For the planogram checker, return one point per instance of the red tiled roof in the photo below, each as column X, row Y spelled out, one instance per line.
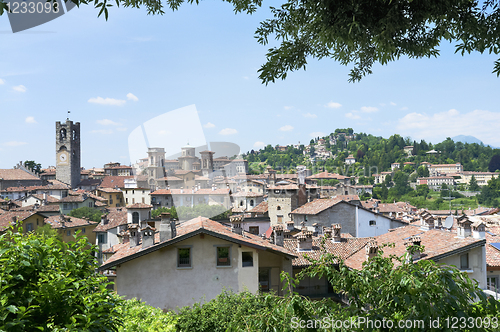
column 6, row 217
column 206, row 191
column 262, row 207
column 316, row 206
column 191, row 228
column 326, row 175
column 16, row 174
column 55, row 222
column 114, row 181
column 109, row 190
column 246, row 194
column 436, row 243
column 139, row 206
column 116, row 217
column 343, row 249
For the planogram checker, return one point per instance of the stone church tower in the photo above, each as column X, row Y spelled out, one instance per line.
column 68, row 164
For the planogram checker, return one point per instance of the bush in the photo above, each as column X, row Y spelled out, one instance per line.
column 49, row 285
column 140, row 317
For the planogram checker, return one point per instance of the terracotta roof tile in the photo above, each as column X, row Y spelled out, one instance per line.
column 262, row 207
column 6, row 218
column 115, row 217
column 139, row 206
column 114, row 181
column 436, row 243
column 69, row 222
column 16, row 174
column 193, row 226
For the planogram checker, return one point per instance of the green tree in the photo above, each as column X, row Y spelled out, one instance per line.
column 87, row 212
column 49, row 285
column 494, row 163
column 422, row 172
column 360, row 32
column 473, row 186
column 35, row 167
column 47, row 231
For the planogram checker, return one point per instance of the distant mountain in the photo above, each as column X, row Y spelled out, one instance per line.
column 469, row 139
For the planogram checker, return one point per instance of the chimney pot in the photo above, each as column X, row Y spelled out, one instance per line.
column 371, row 249
column 278, row 235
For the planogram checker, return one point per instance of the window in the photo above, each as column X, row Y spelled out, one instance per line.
column 102, row 238
column 65, row 206
column 83, row 230
column 464, row 261
column 251, row 202
column 373, row 222
column 264, row 279
column 246, row 258
column 68, row 233
column 117, row 196
column 223, row 256
column 29, row 227
column 184, row 257
column 280, row 219
column 278, row 208
column 135, row 217
column 253, row 230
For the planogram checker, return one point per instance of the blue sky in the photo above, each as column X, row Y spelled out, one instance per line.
column 118, row 74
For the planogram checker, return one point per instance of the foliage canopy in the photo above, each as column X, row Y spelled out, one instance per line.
column 49, row 285
column 361, row 33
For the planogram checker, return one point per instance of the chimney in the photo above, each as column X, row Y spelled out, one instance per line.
column 278, row 235
column 371, row 249
column 317, row 229
column 336, row 237
column 148, row 236
column 305, row 240
column 302, row 199
column 426, row 221
column 104, row 219
column 213, row 186
column 62, row 220
column 464, row 226
column 167, row 227
column 236, row 224
column 182, row 190
column 135, row 235
column 478, row 230
column 328, row 232
column 412, row 251
column 290, row 225
column 124, row 236
column 44, row 201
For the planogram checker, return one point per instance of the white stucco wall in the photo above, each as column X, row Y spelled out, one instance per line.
column 477, row 264
column 155, row 278
column 382, row 226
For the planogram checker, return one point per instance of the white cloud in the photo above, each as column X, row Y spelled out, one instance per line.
column 437, row 126
column 352, row 115
column 132, row 97
column 108, row 122
column 393, row 103
column 259, row 145
column 309, row 115
column 288, row 107
column 208, row 125
column 228, row 131
column 2, row 81
column 333, row 105
column 102, row 131
column 286, row 128
column 317, row 134
column 30, row 119
column 403, row 108
column 107, row 101
column 14, row 143
column 369, row 109
column 19, row 88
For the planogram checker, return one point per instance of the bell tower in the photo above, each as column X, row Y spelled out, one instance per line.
column 68, row 163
